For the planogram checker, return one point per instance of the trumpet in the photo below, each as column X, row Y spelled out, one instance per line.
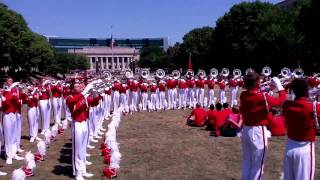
column 160, row 73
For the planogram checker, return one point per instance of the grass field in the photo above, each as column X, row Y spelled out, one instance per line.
column 158, row 145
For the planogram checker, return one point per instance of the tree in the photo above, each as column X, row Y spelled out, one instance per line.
column 154, row 58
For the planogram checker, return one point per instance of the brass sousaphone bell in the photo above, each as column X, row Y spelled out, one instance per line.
column 214, row 72
column 175, row 74
column 160, row 73
column 201, row 73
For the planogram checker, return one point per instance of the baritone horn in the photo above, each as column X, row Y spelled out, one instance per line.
column 201, row 73
column 214, row 72
column 160, row 73
column 225, row 72
column 266, row 71
column 175, row 74
column 145, row 73
column 128, row 74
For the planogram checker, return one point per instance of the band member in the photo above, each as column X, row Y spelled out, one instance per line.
column 10, row 104
column 116, row 95
column 144, row 95
column 190, row 96
column 302, row 121
column 254, row 107
column 45, row 105
column 124, row 98
column 200, row 90
column 222, row 86
column 57, row 90
column 66, row 92
column 171, row 85
column 134, row 85
column 154, row 96
column 234, row 90
column 211, row 82
column 182, row 84
column 162, row 93
column 108, row 93
column 33, row 115
column 78, row 105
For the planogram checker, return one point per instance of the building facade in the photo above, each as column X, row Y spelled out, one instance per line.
column 114, row 59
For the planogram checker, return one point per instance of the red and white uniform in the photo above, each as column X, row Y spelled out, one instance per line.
column 134, row 85
column 144, row 95
column 116, row 95
column 233, row 84
column 182, row 84
column 211, row 83
column 222, row 86
column 253, row 108
column 200, row 91
column 171, row 85
column 33, row 115
column 124, row 97
column 162, row 94
column 10, row 105
column 154, row 96
column 79, row 108
column 57, row 91
column 65, row 93
column 299, row 160
column 45, row 107
column 190, row 96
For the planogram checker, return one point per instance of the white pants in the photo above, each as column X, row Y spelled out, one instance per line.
column 190, row 97
column 123, row 100
column 66, row 110
column 254, row 147
column 211, row 97
column 33, row 121
column 162, row 97
column 45, row 114
column 182, row 98
column 144, row 100
column 299, row 160
column 90, row 122
column 116, row 101
column 57, row 104
column 108, row 104
column 79, row 147
column 223, row 98
column 134, row 99
column 9, row 131
column 201, row 96
column 234, row 91
column 171, row 99
column 18, row 130
column 154, row 101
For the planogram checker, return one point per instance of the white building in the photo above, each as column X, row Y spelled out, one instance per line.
column 106, row 58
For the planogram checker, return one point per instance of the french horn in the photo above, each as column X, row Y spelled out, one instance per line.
column 160, row 73
column 214, row 72
column 266, row 71
column 145, row 73
column 225, row 72
column 175, row 74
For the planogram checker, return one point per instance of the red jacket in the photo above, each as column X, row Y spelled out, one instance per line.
column 222, row 84
column 211, row 83
column 253, row 106
column 216, row 118
column 32, row 100
column 66, row 92
column 144, row 87
column 191, row 83
column 134, row 86
column 45, row 92
column 299, row 119
column 182, row 84
column 162, row 86
column 200, row 83
column 153, row 88
column 11, row 103
column 277, row 126
column 116, row 86
column 233, row 83
column 56, row 90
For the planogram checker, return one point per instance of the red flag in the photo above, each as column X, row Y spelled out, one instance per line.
column 190, row 63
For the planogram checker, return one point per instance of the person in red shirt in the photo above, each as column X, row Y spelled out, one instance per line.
column 211, row 82
column 162, row 94
column 116, row 94
column 134, row 85
column 302, row 124
column 217, row 119
column 79, row 108
column 144, row 95
column 32, row 101
column 234, row 90
column 200, row 90
column 57, row 91
column 222, row 86
column 254, row 107
column 210, row 115
column 276, row 124
column 44, row 103
column 182, row 84
column 199, row 117
column 233, row 123
column 10, row 104
column 66, row 92
column 154, row 96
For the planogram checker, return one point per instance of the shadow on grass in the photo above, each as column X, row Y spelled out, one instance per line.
column 65, row 159
column 65, row 170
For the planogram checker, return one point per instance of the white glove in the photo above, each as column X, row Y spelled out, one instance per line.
column 13, row 85
column 277, row 83
column 87, row 89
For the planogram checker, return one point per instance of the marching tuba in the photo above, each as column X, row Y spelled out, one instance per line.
column 298, row 73
column 160, row 73
column 214, row 72
column 145, row 73
column 225, row 72
column 175, row 74
column 236, row 73
column 249, row 70
column 128, row 74
column 201, row 73
column 108, row 75
column 266, row 71
column 189, row 73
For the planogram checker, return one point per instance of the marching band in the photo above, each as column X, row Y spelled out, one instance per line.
column 87, row 104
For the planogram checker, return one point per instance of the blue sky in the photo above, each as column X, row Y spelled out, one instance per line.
column 129, row 18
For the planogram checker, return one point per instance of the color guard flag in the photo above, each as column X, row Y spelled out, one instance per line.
column 190, row 63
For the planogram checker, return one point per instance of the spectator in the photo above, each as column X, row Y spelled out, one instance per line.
column 233, row 123
column 199, row 117
column 210, row 118
column 276, row 123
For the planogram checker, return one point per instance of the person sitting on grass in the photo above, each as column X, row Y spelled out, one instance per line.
column 199, row 115
column 217, row 119
column 233, row 123
column 276, row 124
column 210, row 114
